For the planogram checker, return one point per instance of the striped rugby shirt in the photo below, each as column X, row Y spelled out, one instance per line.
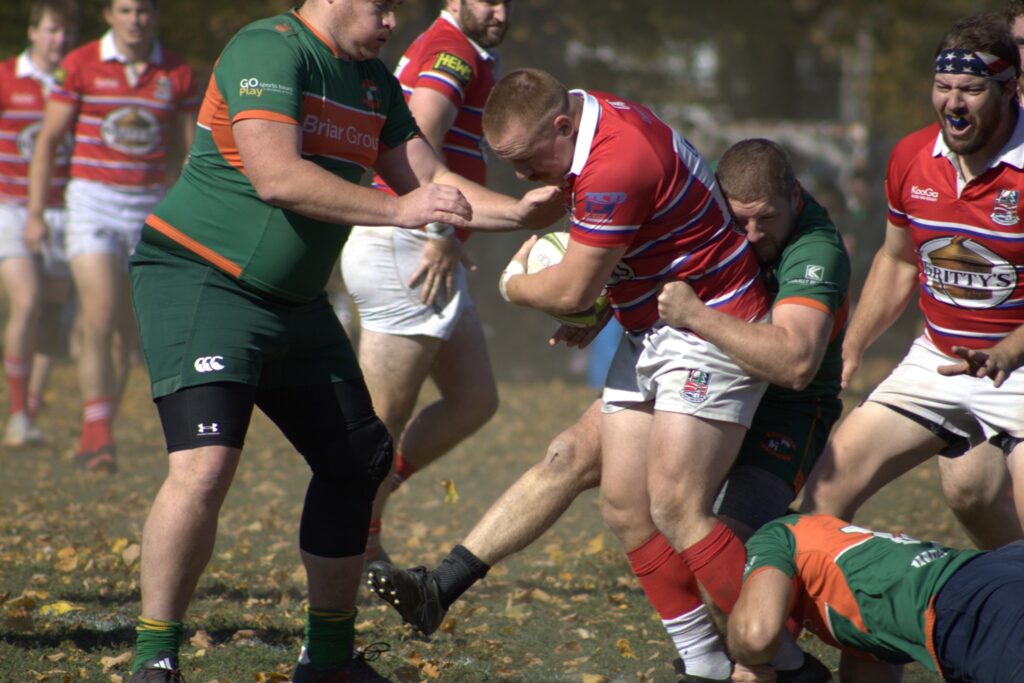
column 23, row 89
column 636, row 183
column 123, row 125
column 969, row 237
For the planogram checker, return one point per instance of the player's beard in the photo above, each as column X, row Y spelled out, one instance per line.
column 486, row 36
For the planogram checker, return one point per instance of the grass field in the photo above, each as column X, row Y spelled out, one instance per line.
column 566, row 609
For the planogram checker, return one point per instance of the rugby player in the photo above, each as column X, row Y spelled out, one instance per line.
column 128, row 100
column 954, row 238
column 37, row 290
column 416, row 317
column 228, row 287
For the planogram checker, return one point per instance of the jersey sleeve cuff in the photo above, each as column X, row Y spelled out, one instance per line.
column 264, row 115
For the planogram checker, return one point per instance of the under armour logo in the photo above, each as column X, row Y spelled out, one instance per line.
column 209, row 364
column 212, row 428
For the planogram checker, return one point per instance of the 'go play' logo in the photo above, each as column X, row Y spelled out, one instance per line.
column 250, row 86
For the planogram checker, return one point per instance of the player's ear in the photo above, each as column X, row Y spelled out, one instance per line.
column 563, row 125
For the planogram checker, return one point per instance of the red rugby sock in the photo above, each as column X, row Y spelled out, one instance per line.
column 717, row 561
column 668, row 582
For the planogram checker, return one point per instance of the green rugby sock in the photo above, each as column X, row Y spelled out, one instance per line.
column 153, row 636
column 329, row 636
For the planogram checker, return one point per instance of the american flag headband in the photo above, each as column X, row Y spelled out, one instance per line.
column 974, row 63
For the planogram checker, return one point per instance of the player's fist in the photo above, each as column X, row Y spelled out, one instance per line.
column 433, row 203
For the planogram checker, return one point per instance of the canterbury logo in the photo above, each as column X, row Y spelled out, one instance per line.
column 212, row 428
column 209, row 364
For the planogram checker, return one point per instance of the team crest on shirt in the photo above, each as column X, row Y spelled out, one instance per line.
column 371, row 95
column 131, row 130
column 599, row 206
column 695, row 389
column 1005, row 210
column 163, row 90
column 961, row 272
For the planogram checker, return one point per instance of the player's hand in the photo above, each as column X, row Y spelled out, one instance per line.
column 437, row 268
column 541, row 207
column 515, row 267
column 35, row 234
column 678, row 304
column 433, row 203
column 522, row 256
column 580, row 337
column 753, row 673
column 993, row 363
column 852, row 358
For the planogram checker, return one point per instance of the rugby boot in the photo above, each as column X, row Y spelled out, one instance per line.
column 160, row 669
column 812, row 671
column 690, row 678
column 21, row 432
column 413, row 592
column 355, row 671
column 100, row 460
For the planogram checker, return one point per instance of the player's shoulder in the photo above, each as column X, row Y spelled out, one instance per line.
column 86, row 54
column 921, row 140
column 9, row 66
column 270, row 33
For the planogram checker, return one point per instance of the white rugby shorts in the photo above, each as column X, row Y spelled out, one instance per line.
column 966, row 406
column 104, row 219
column 12, row 238
column 376, row 265
column 681, row 373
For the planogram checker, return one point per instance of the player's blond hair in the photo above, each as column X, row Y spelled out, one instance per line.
column 529, row 97
column 755, row 169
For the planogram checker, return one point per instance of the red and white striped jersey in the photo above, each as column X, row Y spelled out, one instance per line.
column 444, row 59
column 23, row 89
column 969, row 239
column 123, row 124
column 636, row 183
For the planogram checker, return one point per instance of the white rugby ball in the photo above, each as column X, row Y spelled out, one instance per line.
column 549, row 250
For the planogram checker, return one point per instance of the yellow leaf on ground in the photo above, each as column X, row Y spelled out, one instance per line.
column 270, row 677
column 56, row 657
column 595, row 545
column 67, row 560
column 131, row 555
column 109, row 663
column 451, row 494
column 430, row 670
column 59, row 608
column 594, row 678
column 201, row 639
column 118, row 544
column 625, row 649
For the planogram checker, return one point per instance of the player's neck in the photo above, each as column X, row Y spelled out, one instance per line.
column 135, row 54
column 41, row 63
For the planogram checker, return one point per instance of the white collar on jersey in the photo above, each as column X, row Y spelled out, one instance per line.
column 1011, row 154
column 109, row 52
column 588, row 128
column 447, row 16
column 26, row 68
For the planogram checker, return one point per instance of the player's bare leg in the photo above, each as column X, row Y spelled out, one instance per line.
column 520, row 516
column 102, row 295
column 51, row 337
column 977, row 488
column 1015, row 464
column 22, row 282
column 178, row 538
column 528, row 508
column 857, row 462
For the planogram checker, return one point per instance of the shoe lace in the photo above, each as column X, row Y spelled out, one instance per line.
column 372, row 651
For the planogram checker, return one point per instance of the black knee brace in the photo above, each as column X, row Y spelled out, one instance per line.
column 338, row 504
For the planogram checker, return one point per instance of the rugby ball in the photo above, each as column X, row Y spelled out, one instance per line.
column 548, row 251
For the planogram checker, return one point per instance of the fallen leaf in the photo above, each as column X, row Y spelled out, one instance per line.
column 201, row 639
column 595, row 545
column 59, row 608
column 451, row 494
column 56, row 657
column 270, row 677
column 625, row 649
column 131, row 555
column 118, row 545
column 594, row 678
column 109, row 663
column 67, row 560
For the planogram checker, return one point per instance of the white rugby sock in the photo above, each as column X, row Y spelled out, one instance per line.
column 698, row 644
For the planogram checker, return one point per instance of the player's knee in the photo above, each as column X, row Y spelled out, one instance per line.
column 966, row 501
column 359, row 461
column 572, row 459
column 479, row 407
column 204, row 479
column 621, row 514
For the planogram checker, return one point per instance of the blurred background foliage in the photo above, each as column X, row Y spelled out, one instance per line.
column 835, row 81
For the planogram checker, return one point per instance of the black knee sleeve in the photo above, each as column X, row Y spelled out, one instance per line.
column 337, row 511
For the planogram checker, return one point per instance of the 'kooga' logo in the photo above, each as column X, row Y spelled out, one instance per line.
column 209, row 364
column 925, row 194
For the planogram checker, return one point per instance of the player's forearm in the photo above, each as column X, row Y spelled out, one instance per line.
column 555, row 290
column 305, row 188
column 40, row 173
column 492, row 211
column 890, row 284
column 763, row 350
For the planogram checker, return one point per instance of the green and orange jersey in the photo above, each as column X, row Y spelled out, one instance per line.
column 856, row 589
column 814, row 270
column 278, row 69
